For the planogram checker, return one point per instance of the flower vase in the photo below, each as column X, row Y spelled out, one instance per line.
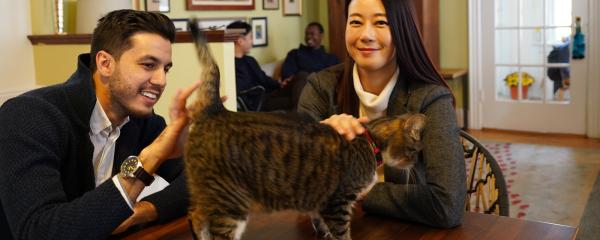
column 514, row 92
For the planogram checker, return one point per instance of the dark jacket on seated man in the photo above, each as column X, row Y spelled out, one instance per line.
column 307, row 59
column 249, row 74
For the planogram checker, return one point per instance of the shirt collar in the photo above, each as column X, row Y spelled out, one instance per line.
column 100, row 122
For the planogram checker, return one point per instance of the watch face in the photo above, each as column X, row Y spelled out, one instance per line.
column 129, row 166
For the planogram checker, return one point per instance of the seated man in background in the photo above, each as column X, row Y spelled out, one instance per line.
column 306, row 59
column 75, row 156
column 310, row 58
column 248, row 74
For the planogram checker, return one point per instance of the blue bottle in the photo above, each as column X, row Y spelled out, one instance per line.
column 578, row 41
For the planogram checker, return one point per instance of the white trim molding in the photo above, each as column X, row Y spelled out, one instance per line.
column 475, row 66
column 476, row 95
column 593, row 54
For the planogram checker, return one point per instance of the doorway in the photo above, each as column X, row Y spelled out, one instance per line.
column 530, row 81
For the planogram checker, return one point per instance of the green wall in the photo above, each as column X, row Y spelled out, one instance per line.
column 285, row 32
column 454, row 41
column 454, row 37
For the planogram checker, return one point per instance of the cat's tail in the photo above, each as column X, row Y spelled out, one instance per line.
column 208, row 99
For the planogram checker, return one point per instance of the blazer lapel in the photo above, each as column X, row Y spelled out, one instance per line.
column 398, row 103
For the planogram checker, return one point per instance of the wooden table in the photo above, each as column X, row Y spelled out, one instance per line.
column 290, row 225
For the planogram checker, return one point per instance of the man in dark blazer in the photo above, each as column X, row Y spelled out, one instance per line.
column 75, row 156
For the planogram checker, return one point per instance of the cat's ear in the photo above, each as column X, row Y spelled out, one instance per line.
column 413, row 127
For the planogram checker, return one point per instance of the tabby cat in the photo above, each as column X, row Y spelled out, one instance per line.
column 280, row 161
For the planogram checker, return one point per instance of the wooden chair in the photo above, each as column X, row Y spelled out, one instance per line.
column 486, row 188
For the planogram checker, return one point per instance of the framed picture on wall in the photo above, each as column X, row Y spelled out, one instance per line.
column 220, row 4
column 217, row 23
column 270, row 4
column 292, row 7
column 260, row 33
column 181, row 24
column 157, row 5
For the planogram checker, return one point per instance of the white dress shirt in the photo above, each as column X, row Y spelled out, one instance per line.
column 104, row 136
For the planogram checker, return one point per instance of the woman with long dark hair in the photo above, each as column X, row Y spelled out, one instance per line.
column 388, row 72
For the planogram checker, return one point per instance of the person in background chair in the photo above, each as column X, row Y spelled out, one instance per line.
column 248, row 73
column 75, row 156
column 308, row 58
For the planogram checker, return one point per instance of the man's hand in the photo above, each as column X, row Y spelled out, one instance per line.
column 284, row 82
column 169, row 144
column 143, row 212
column 346, row 125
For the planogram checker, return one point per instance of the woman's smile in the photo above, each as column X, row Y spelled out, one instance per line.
column 367, row 50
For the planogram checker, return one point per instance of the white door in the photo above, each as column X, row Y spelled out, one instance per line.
column 530, row 80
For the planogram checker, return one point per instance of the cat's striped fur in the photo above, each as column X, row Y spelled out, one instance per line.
column 235, row 161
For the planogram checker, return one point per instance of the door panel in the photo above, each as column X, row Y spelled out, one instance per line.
column 527, row 46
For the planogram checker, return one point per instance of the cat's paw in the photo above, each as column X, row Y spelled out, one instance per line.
column 320, row 228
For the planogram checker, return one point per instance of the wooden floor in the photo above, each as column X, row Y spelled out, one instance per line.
column 536, row 138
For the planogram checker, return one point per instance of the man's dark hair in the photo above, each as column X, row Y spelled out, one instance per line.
column 240, row 25
column 316, row 24
column 113, row 32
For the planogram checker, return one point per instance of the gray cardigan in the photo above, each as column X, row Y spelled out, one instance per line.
column 436, row 191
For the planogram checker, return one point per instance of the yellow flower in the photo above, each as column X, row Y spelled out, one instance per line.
column 526, row 79
column 512, row 80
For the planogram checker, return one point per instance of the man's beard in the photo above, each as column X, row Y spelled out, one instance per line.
column 121, row 94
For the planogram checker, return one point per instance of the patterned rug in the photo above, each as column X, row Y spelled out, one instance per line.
column 547, row 183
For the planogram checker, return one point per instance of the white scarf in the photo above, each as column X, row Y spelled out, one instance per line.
column 373, row 106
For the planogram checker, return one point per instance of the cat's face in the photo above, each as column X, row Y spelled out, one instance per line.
column 401, row 139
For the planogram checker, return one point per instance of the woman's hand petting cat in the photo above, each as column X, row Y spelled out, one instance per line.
column 346, row 125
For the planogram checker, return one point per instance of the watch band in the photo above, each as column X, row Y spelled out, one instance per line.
column 143, row 176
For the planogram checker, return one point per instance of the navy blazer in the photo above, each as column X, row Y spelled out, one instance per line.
column 48, row 185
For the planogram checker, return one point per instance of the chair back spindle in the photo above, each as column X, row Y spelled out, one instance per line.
column 486, row 188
